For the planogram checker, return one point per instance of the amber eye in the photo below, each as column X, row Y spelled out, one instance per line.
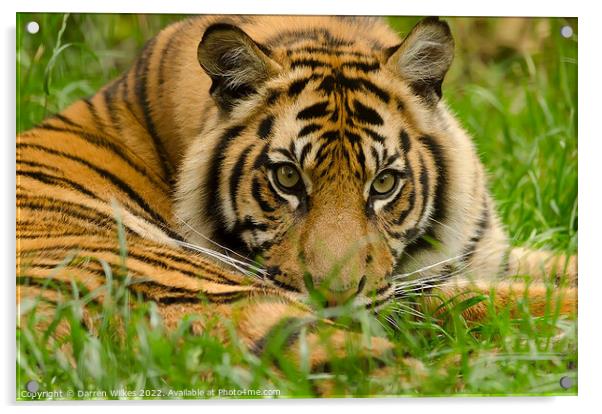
column 384, row 183
column 287, row 176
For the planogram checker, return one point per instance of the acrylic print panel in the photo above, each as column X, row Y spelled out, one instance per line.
column 295, row 206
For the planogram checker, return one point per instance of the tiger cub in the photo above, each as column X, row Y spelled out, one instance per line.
column 256, row 161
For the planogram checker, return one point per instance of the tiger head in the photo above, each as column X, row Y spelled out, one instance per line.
column 317, row 164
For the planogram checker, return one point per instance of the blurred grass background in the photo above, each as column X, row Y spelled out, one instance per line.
column 513, row 86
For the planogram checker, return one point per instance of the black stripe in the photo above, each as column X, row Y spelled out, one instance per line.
column 321, row 35
column 308, row 62
column 296, row 87
column 88, row 250
column 375, row 304
column 404, row 140
column 273, row 273
column 304, row 153
column 214, row 298
column 113, row 179
column 97, row 217
column 65, row 120
column 140, row 88
column 362, row 66
column 256, row 193
column 167, row 49
column 55, row 284
column 290, row 327
column 332, row 135
column 439, row 204
column 213, row 202
column 94, row 113
column 376, row 156
column 262, row 158
column 425, row 242
column 117, row 149
column 125, row 93
column 75, row 210
column 361, row 159
column 143, row 282
column 37, row 165
column 440, row 162
column 186, row 295
column 375, row 136
column 391, row 159
column 352, row 137
column 328, row 51
column 265, row 127
column 308, row 129
column 285, row 152
column 327, row 85
column 272, row 97
column 411, row 197
column 108, row 96
column 236, row 176
column 29, row 234
column 379, row 92
column 323, row 152
column 482, row 225
column 248, row 224
column 56, row 181
column 424, row 183
column 314, row 111
column 366, row 114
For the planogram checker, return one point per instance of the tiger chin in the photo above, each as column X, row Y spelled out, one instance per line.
column 337, row 163
column 309, row 154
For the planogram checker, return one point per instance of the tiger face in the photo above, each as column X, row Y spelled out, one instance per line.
column 319, row 168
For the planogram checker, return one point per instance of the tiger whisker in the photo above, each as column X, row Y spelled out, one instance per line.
column 420, row 288
column 422, row 269
column 448, row 275
column 243, row 267
column 392, row 322
column 421, row 280
column 215, row 253
column 408, row 309
column 209, row 239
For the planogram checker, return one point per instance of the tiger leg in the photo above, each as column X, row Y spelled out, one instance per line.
column 542, row 265
column 262, row 319
column 272, row 327
column 517, row 297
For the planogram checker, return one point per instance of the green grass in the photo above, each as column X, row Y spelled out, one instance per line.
column 518, row 102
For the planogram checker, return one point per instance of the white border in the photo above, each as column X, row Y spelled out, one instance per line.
column 590, row 292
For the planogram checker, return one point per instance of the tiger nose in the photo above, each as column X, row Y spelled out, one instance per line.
column 335, row 297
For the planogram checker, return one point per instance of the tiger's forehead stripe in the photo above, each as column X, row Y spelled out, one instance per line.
column 336, row 79
column 353, row 119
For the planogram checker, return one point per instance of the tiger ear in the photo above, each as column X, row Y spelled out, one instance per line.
column 424, row 57
column 235, row 63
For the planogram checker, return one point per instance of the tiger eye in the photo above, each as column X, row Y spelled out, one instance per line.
column 384, row 183
column 287, row 176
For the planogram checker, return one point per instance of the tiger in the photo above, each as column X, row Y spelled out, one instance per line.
column 256, row 162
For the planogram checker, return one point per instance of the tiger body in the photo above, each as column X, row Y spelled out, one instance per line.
column 187, row 148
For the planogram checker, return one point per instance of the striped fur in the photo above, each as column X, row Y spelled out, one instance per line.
column 183, row 149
